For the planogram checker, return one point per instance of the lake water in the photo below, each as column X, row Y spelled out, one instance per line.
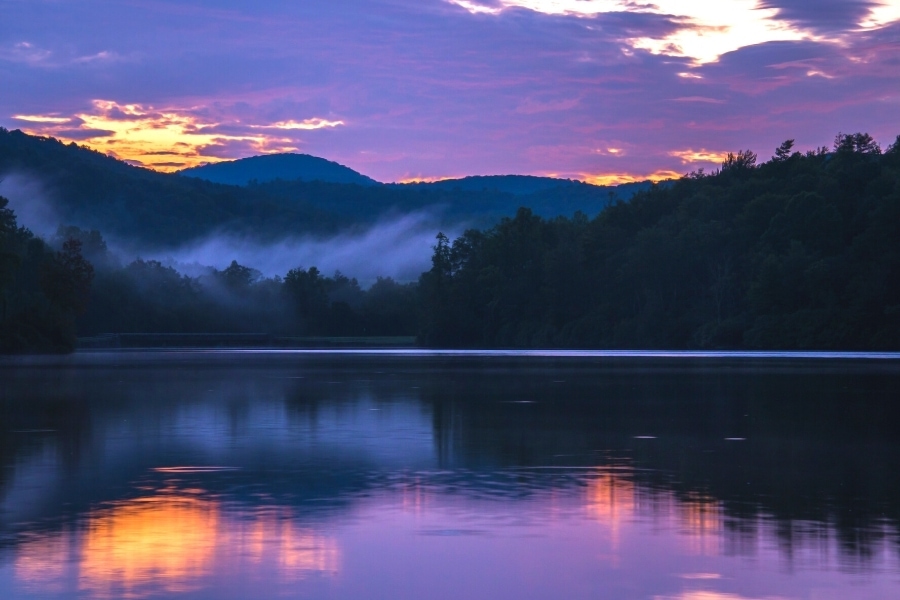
column 415, row 475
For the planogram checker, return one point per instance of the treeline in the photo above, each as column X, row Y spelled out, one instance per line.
column 42, row 290
column 147, row 296
column 800, row 252
column 49, row 290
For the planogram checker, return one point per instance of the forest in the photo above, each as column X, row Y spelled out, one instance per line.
column 799, row 252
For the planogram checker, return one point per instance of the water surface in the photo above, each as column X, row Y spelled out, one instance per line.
column 450, row 475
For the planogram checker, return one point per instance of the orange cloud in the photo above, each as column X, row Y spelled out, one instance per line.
column 165, row 139
column 620, row 178
column 701, row 156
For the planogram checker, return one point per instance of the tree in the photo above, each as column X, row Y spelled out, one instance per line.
column 239, row 278
column 858, row 143
column 67, row 279
column 306, row 291
column 9, row 260
column 743, row 160
column 895, row 147
column 783, row 152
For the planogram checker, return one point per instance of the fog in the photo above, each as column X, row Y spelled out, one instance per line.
column 399, row 248
column 31, row 203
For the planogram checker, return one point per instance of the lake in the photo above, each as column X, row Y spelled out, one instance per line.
column 450, row 475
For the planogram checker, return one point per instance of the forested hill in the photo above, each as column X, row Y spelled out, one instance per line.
column 270, row 167
column 800, row 252
column 89, row 189
column 147, row 208
column 524, row 185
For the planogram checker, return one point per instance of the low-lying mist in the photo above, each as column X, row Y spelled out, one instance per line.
column 30, row 201
column 399, row 248
column 358, row 282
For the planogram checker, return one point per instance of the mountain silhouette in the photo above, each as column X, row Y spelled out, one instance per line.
column 271, row 167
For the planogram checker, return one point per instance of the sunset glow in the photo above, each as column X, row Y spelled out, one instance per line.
column 620, row 178
column 699, row 156
column 450, row 88
column 170, row 542
column 163, row 139
column 704, row 31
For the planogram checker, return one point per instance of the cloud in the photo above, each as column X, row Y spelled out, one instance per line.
column 707, row 28
column 306, row 124
column 620, row 178
column 426, row 88
column 701, row 99
column 24, row 52
column 533, row 106
column 145, row 135
column 35, row 56
column 699, row 156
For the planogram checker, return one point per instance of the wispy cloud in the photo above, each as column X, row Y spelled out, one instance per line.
column 701, row 99
column 33, row 55
column 307, row 124
column 149, row 136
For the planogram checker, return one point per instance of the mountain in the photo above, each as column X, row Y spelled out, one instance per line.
column 149, row 209
column 271, row 167
column 521, row 185
column 73, row 185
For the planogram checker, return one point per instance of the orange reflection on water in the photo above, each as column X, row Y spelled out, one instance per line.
column 167, row 540
column 611, row 497
column 701, row 518
column 169, row 543
column 614, row 500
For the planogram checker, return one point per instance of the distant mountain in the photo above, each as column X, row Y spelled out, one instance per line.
column 271, row 167
column 519, row 185
column 527, row 185
column 148, row 209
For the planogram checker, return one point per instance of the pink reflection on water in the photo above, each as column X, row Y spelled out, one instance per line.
column 602, row 534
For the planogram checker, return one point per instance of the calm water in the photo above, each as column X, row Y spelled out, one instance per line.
column 406, row 475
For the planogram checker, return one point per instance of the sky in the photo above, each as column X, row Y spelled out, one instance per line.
column 605, row 91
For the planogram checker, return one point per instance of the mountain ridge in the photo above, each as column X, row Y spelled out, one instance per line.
column 270, row 167
column 152, row 209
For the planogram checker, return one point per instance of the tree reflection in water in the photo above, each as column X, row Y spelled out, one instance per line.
column 337, row 466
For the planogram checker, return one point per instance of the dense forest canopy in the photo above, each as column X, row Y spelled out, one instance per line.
column 800, row 252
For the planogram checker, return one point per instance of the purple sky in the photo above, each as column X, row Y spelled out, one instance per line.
column 603, row 90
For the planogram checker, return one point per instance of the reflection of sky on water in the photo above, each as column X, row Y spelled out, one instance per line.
column 170, row 543
column 591, row 533
column 386, row 483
